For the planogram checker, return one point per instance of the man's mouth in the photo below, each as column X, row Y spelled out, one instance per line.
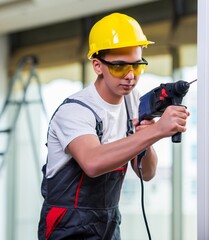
column 127, row 85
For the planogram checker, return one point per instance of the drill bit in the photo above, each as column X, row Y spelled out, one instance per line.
column 192, row 81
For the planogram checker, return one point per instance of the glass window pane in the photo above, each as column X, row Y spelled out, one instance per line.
column 28, row 152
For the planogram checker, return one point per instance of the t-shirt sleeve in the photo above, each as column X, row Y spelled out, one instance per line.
column 71, row 121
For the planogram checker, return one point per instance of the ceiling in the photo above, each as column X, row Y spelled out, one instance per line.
column 17, row 15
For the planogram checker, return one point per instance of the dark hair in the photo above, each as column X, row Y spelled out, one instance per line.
column 100, row 54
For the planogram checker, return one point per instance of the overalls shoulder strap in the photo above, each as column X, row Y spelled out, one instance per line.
column 99, row 124
column 130, row 126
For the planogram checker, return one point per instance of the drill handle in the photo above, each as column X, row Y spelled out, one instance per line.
column 176, row 138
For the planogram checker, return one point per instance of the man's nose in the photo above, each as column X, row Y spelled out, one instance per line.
column 130, row 74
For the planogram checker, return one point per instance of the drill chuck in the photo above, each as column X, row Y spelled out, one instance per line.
column 181, row 87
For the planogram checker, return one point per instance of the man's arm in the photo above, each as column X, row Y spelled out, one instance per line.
column 96, row 159
column 148, row 164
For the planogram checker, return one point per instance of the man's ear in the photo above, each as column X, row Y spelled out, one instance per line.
column 97, row 66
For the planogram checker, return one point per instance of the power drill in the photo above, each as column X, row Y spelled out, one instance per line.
column 154, row 103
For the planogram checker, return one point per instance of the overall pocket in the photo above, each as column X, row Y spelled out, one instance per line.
column 53, row 218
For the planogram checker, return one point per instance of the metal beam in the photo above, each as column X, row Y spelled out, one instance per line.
column 203, row 120
column 177, row 221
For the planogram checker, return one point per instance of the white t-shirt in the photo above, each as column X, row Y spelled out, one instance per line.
column 73, row 120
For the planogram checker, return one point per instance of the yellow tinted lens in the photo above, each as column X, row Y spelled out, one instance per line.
column 139, row 69
column 117, row 70
column 122, row 70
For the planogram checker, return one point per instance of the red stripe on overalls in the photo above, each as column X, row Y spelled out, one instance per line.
column 53, row 218
column 120, row 169
column 78, row 191
column 123, row 169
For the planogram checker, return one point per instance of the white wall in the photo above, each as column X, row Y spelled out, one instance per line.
column 203, row 121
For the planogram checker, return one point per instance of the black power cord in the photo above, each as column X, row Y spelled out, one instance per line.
column 139, row 166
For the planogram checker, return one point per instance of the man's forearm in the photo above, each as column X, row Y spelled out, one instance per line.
column 148, row 164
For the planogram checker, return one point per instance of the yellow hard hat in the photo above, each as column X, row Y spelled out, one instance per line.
column 116, row 31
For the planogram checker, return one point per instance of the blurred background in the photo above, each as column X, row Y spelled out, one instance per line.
column 43, row 48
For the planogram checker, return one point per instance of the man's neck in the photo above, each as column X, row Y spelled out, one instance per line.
column 106, row 94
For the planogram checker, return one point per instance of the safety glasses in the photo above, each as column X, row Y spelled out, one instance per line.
column 120, row 68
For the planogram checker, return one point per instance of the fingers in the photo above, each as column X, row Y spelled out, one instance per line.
column 143, row 124
column 147, row 122
column 174, row 119
column 179, row 108
column 180, row 125
column 179, row 114
column 135, row 122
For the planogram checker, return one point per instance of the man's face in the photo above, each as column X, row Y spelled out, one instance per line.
column 122, row 78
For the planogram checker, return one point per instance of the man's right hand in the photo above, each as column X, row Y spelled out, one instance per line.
column 173, row 120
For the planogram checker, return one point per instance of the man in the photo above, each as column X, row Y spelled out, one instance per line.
column 84, row 171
